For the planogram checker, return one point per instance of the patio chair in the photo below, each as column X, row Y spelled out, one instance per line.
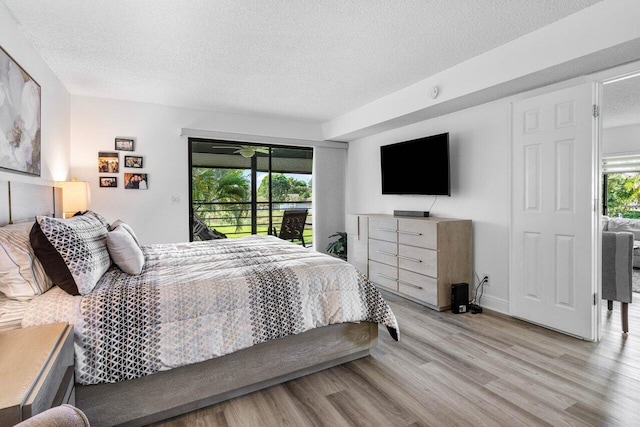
column 201, row 230
column 292, row 227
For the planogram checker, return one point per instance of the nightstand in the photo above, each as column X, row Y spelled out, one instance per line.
column 36, row 371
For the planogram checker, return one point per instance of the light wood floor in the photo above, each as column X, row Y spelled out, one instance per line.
column 448, row 369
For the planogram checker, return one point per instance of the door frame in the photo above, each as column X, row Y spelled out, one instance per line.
column 603, row 78
column 599, row 79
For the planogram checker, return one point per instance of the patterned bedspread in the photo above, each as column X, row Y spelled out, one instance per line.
column 196, row 301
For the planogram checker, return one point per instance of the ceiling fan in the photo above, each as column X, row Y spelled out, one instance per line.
column 248, row 151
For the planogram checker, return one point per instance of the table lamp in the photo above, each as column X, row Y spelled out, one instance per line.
column 74, row 196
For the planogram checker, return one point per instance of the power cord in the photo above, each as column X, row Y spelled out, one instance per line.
column 474, row 307
column 434, row 202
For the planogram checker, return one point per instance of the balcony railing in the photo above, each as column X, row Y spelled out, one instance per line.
column 222, row 217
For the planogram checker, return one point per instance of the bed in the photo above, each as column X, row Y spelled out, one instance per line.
column 145, row 347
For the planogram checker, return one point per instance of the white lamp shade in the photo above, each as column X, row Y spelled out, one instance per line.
column 74, row 196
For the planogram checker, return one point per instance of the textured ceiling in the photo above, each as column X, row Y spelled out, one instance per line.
column 309, row 60
column 621, row 103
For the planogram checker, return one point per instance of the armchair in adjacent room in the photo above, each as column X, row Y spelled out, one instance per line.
column 617, row 271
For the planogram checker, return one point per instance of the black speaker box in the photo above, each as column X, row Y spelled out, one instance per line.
column 460, row 297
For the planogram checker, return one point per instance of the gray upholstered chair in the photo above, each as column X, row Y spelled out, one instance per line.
column 617, row 271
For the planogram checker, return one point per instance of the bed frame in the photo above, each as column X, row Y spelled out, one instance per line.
column 185, row 389
column 177, row 391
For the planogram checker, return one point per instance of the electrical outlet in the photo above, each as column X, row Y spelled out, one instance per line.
column 486, row 279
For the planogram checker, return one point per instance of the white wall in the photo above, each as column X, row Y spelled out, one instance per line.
column 96, row 122
column 55, row 104
column 479, row 146
column 329, row 166
column 621, row 140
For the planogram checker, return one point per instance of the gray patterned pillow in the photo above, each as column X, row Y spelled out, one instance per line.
column 72, row 251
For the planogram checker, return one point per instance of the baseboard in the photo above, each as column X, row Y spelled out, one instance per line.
column 496, row 304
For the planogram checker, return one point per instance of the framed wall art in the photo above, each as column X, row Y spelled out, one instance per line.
column 125, row 144
column 108, row 162
column 133, row 162
column 136, row 181
column 20, row 118
column 108, row 181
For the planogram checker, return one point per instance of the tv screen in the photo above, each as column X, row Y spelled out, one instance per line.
column 419, row 166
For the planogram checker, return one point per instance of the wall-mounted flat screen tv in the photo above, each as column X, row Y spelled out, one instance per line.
column 419, row 166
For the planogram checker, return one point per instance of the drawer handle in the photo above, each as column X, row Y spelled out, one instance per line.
column 409, row 284
column 387, row 229
column 409, row 258
column 387, row 277
column 387, row 253
column 411, row 233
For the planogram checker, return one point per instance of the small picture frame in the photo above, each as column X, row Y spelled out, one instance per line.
column 108, row 162
column 125, row 144
column 136, row 181
column 108, row 181
column 133, row 162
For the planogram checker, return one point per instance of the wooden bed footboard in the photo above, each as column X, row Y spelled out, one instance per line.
column 177, row 391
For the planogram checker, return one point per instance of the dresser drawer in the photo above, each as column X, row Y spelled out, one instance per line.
column 423, row 234
column 418, row 260
column 383, row 275
column 384, row 252
column 383, row 229
column 422, row 288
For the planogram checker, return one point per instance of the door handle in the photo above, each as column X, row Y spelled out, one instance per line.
column 409, row 284
column 409, row 258
column 387, row 253
column 411, row 233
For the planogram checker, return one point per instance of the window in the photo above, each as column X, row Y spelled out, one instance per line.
column 240, row 189
column 621, row 186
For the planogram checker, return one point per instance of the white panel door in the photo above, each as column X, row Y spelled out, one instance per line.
column 552, row 270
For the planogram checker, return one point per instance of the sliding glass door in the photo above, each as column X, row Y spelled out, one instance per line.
column 239, row 189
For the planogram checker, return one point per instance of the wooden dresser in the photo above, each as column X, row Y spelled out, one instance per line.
column 417, row 258
column 36, row 371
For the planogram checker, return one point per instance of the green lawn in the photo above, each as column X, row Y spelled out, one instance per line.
column 232, row 232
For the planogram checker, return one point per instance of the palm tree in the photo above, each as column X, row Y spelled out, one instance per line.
column 222, row 185
column 233, row 186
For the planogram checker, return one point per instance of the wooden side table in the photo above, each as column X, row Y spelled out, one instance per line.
column 36, row 371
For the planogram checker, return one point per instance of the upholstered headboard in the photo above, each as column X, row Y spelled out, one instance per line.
column 21, row 201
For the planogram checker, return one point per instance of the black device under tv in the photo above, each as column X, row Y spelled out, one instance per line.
column 418, row 167
column 419, row 214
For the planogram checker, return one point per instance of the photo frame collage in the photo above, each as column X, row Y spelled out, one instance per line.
column 109, row 164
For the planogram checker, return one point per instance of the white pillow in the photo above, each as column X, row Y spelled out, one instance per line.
column 127, row 227
column 124, row 251
column 21, row 274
